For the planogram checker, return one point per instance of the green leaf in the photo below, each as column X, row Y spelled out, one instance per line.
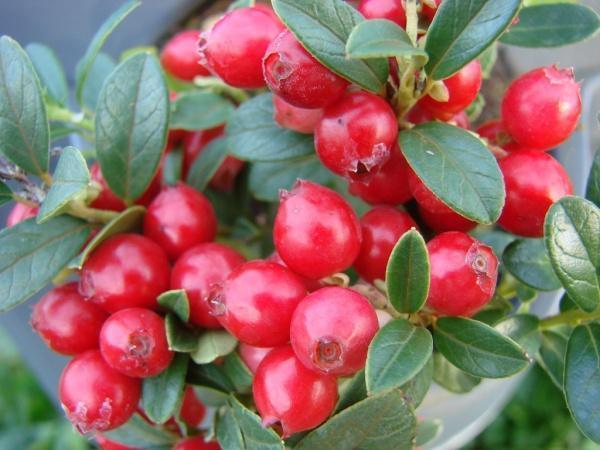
column 210, row 396
column 573, row 241
column 101, row 68
column 238, row 372
column 475, row 109
column 381, row 38
column 137, row 431
column 5, row 194
column 323, row 27
column 253, row 134
column 50, row 72
column 351, row 391
column 207, row 163
column 180, row 336
column 213, row 344
column 524, row 330
column 210, row 375
column 552, row 25
column 407, row 273
column 496, row 309
column 566, row 304
column 528, row 261
column 229, row 433
column 162, row 394
column 488, row 60
column 457, row 168
column 478, row 349
column 416, row 389
column 451, row 377
column 462, row 30
column 84, row 66
column 176, row 301
column 237, row 4
column 384, row 421
column 70, row 180
column 131, row 125
column 582, row 378
column 128, row 220
column 428, row 430
column 24, row 130
column 59, row 130
column 266, row 179
column 397, row 353
column 496, row 239
column 551, row 356
column 172, row 167
column 593, row 183
column 31, row 255
column 196, row 110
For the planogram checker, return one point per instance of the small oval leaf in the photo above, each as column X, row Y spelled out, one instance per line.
column 451, row 377
column 196, row 110
column 101, row 69
column 50, row 72
column 524, row 330
column 5, row 194
column 551, row 356
column 137, row 431
column 181, row 337
column 593, row 184
column 213, row 344
column 207, row 163
column 427, row 431
column 176, row 301
column 528, row 261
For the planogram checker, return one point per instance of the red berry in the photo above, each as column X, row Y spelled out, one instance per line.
column 199, row 271
column 20, row 213
column 356, row 134
column 196, row 443
column 179, row 218
column 293, row 118
column 253, row 356
column 134, row 342
column 534, row 181
column 463, row 274
column 389, row 186
column 96, row 397
column 179, row 56
column 127, row 270
column 331, row 330
column 192, row 410
column 296, row 76
column 66, row 322
column 316, row 231
column 257, row 301
column 541, row 108
column 106, row 444
column 381, row 228
column 497, row 135
column 289, row 394
column 384, row 9
column 419, row 114
column 428, row 12
column 463, row 88
column 310, row 283
column 235, row 46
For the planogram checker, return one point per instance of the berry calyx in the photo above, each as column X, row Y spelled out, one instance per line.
column 20, row 213
column 252, row 356
column 384, row 9
column 196, row 443
column 294, row 118
column 179, row 56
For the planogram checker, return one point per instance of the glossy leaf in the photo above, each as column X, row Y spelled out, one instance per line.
column 253, row 135
column 210, row 375
column 101, row 68
column 210, row 396
column 552, row 25
column 428, row 430
column 176, row 301
column 566, row 304
column 551, row 356
column 524, row 330
column 457, row 167
column 451, row 377
column 323, row 27
column 416, row 389
column 228, row 431
column 477, row 348
column 137, row 431
column 351, row 391
column 5, row 194
column 207, row 164
column 462, row 30
column 528, row 261
column 50, row 72
column 238, row 372
column 131, row 125
column 573, row 241
column 24, row 130
column 213, row 344
column 593, row 183
column 197, row 110
column 180, row 336
column 407, row 273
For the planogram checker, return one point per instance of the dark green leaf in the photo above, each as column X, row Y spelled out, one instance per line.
column 238, row 372
column 176, row 301
column 551, row 356
column 85, row 65
column 253, row 134
column 384, row 421
column 573, row 241
column 213, row 344
column 552, row 25
column 566, row 304
column 462, row 30
column 427, row 431
column 524, row 330
column 526, row 293
column 407, row 273
column 458, row 169
column 70, row 180
column 31, row 255
column 490, row 316
column 196, row 110
column 211, row 396
column 582, row 378
column 323, row 27
column 478, row 349
column 396, row 354
column 131, row 125
column 593, row 183
column 210, row 375
column 528, row 261
column 50, row 72
column 60, row 130
column 352, row 391
column 24, row 130
column 207, row 163
column 416, row 389
column 451, row 377
column 5, row 194
column 229, row 433
column 172, row 167
column 496, row 239
column 101, row 69
column 162, row 394
column 180, row 336
column 137, row 431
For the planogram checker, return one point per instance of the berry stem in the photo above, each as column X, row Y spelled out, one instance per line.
column 572, row 318
column 60, row 114
column 79, row 209
column 218, row 87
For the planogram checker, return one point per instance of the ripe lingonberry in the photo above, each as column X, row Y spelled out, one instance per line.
column 94, row 396
column 19, row 213
column 463, row 274
column 497, row 135
column 179, row 56
column 235, row 46
column 310, row 283
column 199, row 271
column 381, row 228
column 293, row 118
column 389, row 186
column 316, row 231
column 296, row 76
column 356, row 135
column 196, row 443
column 384, row 9
column 66, row 322
column 179, row 218
column 463, row 88
column 289, row 394
column 134, row 342
column 107, row 444
column 331, row 330
column 192, row 410
column 418, row 115
column 429, row 12
column 256, row 303
column 534, row 180
column 127, row 270
column 253, row 356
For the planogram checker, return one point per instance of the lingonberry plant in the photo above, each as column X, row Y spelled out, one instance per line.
column 204, row 237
